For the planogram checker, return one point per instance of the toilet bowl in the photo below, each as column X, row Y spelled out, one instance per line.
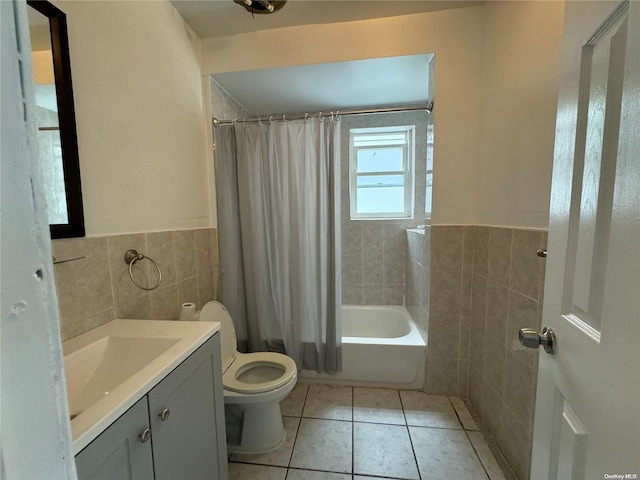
column 253, row 386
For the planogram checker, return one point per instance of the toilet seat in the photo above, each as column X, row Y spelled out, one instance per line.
column 243, row 363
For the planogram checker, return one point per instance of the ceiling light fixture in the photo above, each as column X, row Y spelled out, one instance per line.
column 261, row 6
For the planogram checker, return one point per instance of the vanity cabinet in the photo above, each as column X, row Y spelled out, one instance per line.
column 185, row 415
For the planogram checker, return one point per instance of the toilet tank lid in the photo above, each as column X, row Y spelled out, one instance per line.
column 216, row 312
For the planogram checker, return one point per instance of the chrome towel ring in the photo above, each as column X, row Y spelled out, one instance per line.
column 131, row 257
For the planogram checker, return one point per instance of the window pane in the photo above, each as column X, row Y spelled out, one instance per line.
column 370, row 181
column 380, row 200
column 386, row 139
column 379, row 159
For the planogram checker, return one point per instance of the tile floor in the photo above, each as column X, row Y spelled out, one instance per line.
column 352, row 433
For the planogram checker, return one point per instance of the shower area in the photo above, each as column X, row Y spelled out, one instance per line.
column 378, row 170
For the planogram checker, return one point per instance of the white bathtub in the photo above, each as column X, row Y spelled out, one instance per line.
column 381, row 346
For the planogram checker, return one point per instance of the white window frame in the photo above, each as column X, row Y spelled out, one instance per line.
column 408, row 171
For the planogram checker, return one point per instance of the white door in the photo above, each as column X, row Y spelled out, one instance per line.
column 587, row 423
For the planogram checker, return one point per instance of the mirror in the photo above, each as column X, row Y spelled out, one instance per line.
column 57, row 138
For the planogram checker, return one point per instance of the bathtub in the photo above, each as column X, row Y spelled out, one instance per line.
column 381, row 346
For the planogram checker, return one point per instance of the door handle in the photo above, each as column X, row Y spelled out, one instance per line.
column 530, row 338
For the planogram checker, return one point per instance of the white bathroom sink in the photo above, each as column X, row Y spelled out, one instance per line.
column 95, row 370
column 111, row 367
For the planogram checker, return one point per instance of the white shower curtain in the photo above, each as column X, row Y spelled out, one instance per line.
column 279, row 218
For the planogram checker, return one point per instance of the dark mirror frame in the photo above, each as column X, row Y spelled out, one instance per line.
column 67, row 120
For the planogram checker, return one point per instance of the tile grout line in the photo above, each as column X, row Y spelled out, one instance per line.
column 304, row 402
column 413, row 450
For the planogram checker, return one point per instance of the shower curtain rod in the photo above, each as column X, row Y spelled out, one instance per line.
column 297, row 116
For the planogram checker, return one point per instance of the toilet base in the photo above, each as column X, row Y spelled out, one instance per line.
column 254, row 428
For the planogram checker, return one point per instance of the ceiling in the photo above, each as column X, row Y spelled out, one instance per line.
column 223, row 17
column 331, row 86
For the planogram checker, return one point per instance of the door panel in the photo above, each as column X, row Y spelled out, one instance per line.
column 587, row 422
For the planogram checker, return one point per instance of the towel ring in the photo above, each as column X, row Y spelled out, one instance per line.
column 131, row 257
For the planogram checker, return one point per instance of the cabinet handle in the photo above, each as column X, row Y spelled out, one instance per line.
column 165, row 414
column 145, row 435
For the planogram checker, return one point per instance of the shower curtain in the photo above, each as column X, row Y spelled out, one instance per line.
column 278, row 198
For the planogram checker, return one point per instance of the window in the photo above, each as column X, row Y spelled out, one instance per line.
column 381, row 175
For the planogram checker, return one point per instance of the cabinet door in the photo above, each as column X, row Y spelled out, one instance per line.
column 190, row 443
column 118, row 451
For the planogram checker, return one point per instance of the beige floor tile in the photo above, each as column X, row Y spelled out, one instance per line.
column 422, row 410
column 383, row 450
column 329, row 402
column 279, row 457
column 486, row 456
column 323, row 445
column 314, row 475
column 294, row 402
column 468, row 423
column 377, row 405
column 241, row 471
column 445, row 453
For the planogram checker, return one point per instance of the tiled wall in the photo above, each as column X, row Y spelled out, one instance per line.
column 508, row 285
column 439, row 276
column 97, row 288
column 373, row 251
column 473, row 288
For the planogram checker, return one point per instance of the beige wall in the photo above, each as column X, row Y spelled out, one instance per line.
column 520, row 72
column 141, row 117
column 453, row 35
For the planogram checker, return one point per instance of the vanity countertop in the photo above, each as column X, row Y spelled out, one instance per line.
column 109, row 368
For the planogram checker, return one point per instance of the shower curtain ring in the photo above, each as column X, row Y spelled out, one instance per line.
column 284, row 118
column 306, row 118
column 271, row 118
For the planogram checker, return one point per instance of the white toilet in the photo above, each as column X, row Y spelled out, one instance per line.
column 254, row 384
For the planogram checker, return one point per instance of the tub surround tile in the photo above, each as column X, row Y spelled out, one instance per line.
column 372, row 295
column 352, row 295
column 424, row 410
column 373, row 238
column 445, row 454
column 497, row 312
column 377, row 405
column 352, row 238
column 383, row 450
column 372, row 270
column 393, row 295
column 329, row 402
column 393, row 269
column 352, row 269
column 323, row 443
column 463, row 378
